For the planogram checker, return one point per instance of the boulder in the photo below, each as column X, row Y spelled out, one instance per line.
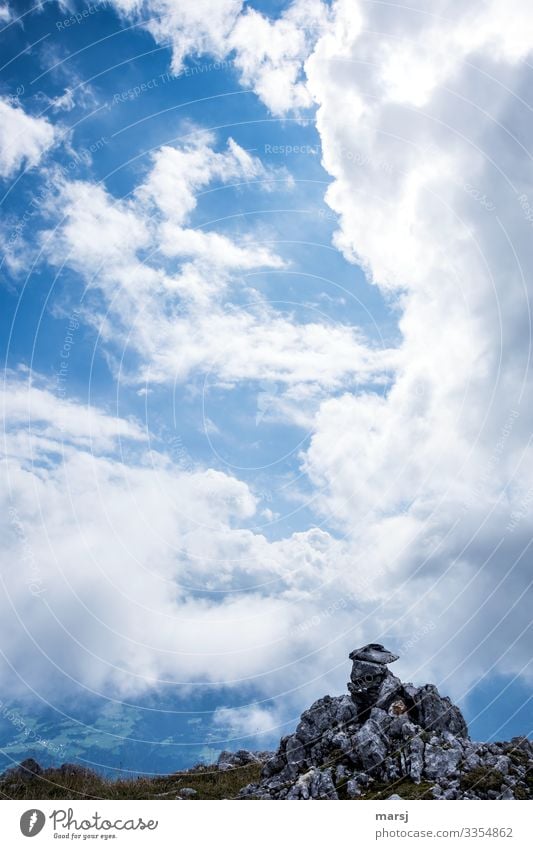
column 433, row 712
column 242, row 757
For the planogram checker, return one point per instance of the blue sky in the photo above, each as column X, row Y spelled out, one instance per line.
column 266, row 339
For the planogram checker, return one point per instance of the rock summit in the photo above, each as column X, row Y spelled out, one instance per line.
column 387, row 738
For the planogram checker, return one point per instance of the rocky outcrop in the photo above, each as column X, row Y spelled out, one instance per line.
column 232, row 760
column 387, row 738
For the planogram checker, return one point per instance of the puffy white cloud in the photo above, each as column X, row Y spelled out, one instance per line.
column 23, row 138
column 422, row 130
column 190, row 29
column 5, row 14
column 268, row 54
column 236, row 345
column 121, row 571
column 178, row 173
column 428, row 481
column 97, row 231
column 168, row 288
column 247, row 722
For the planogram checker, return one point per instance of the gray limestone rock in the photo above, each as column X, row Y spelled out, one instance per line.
column 353, row 789
column 187, row 793
column 437, row 713
column 230, row 760
column 322, row 785
column 439, row 760
column 370, row 741
column 385, row 731
column 374, row 653
column 371, row 683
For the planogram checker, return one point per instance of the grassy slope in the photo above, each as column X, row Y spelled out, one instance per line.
column 208, row 782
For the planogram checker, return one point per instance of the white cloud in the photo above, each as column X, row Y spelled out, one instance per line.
column 170, row 289
column 64, row 102
column 268, row 54
column 130, row 571
column 23, row 138
column 421, row 128
column 178, row 173
column 423, row 132
column 236, row 344
column 247, row 722
column 5, row 14
column 54, row 419
column 190, row 29
column 97, row 230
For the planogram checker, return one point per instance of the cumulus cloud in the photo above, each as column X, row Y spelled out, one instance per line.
column 23, row 138
column 421, row 126
column 269, row 54
column 188, row 28
column 426, row 482
column 122, row 572
column 179, row 173
column 247, row 722
column 181, row 314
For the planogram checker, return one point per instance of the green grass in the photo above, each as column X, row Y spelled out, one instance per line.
column 83, row 784
column 404, row 788
column 482, row 779
column 211, row 783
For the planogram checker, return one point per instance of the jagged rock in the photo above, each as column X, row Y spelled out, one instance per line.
column 374, row 653
column 371, row 683
column 322, row 786
column 502, row 764
column 342, row 773
column 507, row 794
column 393, row 740
column 230, row 760
column 471, row 760
column 436, row 713
column 301, row 788
column 370, row 741
column 353, row 789
column 440, row 761
column 387, row 732
column 325, row 714
column 523, row 744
